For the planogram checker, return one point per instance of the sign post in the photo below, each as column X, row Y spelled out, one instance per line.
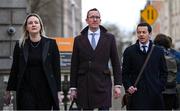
column 65, row 46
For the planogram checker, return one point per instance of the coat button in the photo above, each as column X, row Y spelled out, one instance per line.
column 51, row 76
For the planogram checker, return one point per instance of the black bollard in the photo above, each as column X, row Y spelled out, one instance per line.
column 65, row 88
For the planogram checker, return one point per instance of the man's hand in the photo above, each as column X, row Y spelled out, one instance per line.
column 7, row 97
column 132, row 89
column 117, row 92
column 73, row 94
column 60, row 96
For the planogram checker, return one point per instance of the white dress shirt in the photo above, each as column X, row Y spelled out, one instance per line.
column 147, row 46
column 97, row 36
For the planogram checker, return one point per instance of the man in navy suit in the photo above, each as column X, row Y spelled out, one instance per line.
column 147, row 95
column 90, row 78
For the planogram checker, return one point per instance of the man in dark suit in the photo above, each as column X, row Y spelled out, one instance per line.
column 147, row 95
column 90, row 78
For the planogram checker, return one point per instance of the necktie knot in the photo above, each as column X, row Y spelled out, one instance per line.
column 93, row 42
column 93, row 34
column 144, row 48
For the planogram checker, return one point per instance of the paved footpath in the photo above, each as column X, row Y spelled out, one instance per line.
column 116, row 103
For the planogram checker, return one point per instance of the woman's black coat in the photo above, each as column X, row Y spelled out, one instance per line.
column 51, row 67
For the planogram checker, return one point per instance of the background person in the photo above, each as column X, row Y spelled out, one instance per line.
column 176, row 53
column 35, row 72
column 170, row 92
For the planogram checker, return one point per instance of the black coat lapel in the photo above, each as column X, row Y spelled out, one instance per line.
column 150, row 46
column 86, row 43
column 26, row 50
column 45, row 48
column 100, row 43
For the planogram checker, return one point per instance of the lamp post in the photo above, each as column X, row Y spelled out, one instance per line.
column 73, row 8
column 11, row 31
column 65, row 88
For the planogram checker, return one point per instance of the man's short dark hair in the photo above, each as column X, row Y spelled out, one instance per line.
column 93, row 9
column 145, row 24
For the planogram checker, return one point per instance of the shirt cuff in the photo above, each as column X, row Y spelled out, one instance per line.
column 117, row 86
column 72, row 88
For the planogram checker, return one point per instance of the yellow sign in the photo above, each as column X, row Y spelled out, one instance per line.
column 65, row 44
column 149, row 14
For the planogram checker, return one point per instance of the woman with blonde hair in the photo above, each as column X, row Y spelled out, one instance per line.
column 35, row 72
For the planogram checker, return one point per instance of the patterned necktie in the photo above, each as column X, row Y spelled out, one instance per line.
column 144, row 48
column 93, row 42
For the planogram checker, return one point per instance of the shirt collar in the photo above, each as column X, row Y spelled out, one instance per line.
column 147, row 44
column 97, row 32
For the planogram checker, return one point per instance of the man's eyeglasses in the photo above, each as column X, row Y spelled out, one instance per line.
column 94, row 17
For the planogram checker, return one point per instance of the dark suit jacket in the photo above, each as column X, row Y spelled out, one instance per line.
column 90, row 73
column 152, row 81
column 51, row 67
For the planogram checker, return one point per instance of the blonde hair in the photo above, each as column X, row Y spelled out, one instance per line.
column 25, row 33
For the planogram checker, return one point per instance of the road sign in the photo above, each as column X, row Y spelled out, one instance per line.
column 64, row 44
column 149, row 14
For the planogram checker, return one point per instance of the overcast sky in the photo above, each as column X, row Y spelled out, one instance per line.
column 124, row 13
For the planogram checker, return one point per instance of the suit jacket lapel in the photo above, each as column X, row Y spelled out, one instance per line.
column 45, row 48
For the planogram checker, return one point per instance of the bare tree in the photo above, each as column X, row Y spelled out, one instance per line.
column 51, row 13
column 112, row 28
column 36, row 5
